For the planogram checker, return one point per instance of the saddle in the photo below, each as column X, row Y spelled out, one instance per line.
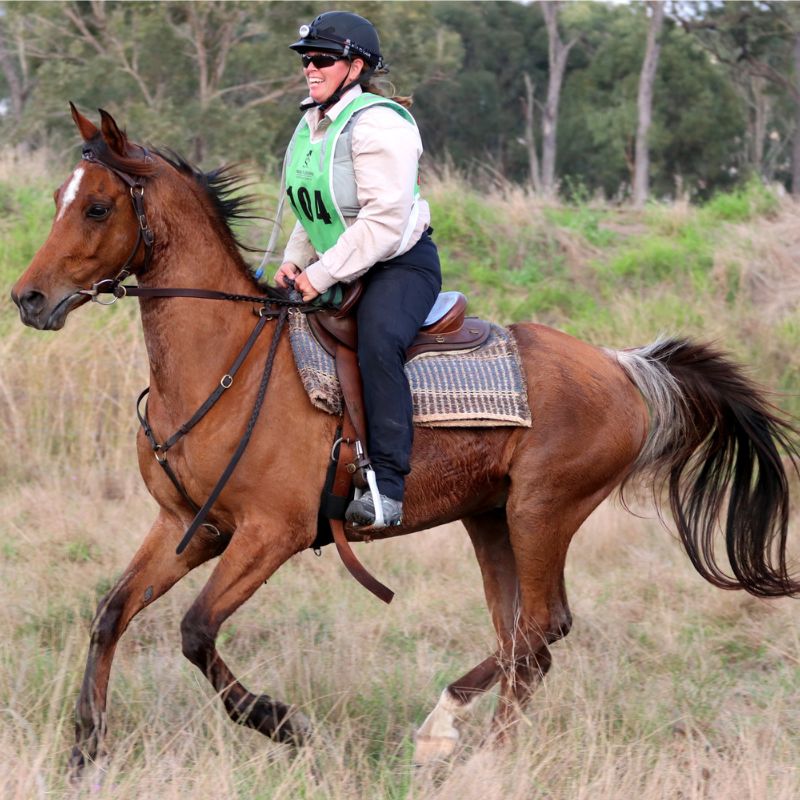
column 446, row 328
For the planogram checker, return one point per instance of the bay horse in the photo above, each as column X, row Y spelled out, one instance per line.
column 677, row 415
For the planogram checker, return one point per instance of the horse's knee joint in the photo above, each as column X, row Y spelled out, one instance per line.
column 106, row 619
column 196, row 641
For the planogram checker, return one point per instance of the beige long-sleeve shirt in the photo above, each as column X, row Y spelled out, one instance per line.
column 385, row 149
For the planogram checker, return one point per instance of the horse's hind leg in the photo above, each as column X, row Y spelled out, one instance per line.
column 251, row 558
column 153, row 570
column 438, row 735
column 540, row 533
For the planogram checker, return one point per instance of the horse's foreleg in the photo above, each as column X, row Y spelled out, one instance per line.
column 438, row 735
column 251, row 558
column 153, row 570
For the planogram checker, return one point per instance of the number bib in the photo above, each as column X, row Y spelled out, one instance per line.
column 309, row 174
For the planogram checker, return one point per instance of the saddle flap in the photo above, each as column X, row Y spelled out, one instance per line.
column 473, row 333
column 330, row 329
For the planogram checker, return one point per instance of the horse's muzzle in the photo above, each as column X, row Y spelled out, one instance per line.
column 35, row 311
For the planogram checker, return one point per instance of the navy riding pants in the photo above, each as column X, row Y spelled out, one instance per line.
column 398, row 294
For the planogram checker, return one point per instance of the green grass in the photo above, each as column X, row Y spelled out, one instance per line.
column 25, row 215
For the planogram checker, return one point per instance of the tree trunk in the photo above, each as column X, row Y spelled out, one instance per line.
column 530, row 135
column 10, row 73
column 796, row 137
column 641, row 174
column 557, row 63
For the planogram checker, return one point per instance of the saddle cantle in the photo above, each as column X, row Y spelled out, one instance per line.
column 445, row 329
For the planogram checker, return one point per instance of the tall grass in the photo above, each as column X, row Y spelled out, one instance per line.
column 665, row 688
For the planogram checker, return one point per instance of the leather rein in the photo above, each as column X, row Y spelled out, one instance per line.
column 270, row 307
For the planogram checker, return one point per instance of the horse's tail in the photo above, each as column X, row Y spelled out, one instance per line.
column 713, row 435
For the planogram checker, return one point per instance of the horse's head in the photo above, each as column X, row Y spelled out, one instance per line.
column 96, row 232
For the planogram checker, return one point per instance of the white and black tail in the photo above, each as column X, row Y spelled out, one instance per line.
column 714, row 437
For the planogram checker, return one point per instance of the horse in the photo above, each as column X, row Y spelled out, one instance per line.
column 680, row 417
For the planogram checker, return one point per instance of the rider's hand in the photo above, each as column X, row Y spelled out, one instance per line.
column 286, row 270
column 303, row 285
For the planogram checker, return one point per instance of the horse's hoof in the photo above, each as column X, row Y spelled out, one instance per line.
column 429, row 749
column 280, row 722
column 295, row 728
column 84, row 768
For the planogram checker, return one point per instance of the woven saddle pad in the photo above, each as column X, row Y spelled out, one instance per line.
column 480, row 387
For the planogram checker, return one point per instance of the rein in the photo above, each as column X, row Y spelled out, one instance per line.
column 272, row 305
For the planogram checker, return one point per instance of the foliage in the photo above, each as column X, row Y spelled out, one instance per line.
column 216, row 81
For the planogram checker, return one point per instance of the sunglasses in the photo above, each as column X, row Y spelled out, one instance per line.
column 319, row 60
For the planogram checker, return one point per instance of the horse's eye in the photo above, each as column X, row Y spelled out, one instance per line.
column 97, row 212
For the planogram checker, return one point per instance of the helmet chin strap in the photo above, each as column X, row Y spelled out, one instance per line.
column 338, row 92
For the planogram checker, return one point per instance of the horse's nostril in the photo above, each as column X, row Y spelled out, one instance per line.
column 31, row 302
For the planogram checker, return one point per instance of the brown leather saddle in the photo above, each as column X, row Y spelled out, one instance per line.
column 446, row 329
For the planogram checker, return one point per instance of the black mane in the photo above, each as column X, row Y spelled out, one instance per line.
column 224, row 188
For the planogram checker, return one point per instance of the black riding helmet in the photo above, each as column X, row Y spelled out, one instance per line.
column 343, row 33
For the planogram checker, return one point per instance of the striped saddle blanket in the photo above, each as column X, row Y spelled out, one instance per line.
column 468, row 388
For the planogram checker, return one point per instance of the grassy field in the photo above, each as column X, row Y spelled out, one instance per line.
column 666, row 687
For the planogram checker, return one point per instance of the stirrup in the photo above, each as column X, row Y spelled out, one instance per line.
column 372, row 482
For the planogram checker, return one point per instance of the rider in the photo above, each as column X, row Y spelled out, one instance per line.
column 351, row 179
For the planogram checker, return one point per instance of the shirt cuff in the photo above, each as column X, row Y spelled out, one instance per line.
column 319, row 277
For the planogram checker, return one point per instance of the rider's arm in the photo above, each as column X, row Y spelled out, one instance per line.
column 299, row 249
column 386, row 150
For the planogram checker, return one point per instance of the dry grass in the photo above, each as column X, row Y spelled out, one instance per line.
column 666, row 688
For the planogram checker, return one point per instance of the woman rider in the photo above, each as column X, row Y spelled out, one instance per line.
column 351, row 179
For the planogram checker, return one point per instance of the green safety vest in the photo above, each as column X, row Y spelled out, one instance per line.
column 309, row 173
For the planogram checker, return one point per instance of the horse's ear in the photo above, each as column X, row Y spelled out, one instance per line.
column 113, row 136
column 87, row 129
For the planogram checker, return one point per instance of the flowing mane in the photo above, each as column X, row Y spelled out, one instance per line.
column 223, row 187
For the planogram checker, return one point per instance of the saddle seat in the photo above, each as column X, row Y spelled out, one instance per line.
column 445, row 329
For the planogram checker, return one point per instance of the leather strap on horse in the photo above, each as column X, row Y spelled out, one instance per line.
column 341, row 488
column 262, row 389
column 355, row 567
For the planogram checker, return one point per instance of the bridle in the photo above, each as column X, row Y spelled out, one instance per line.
column 144, row 233
column 273, row 305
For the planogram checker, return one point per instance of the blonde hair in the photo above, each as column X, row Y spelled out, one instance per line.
column 379, row 84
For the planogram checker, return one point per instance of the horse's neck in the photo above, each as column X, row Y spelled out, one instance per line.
column 193, row 341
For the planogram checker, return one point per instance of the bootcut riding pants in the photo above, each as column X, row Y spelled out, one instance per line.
column 398, row 294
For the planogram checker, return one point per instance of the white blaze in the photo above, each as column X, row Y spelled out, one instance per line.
column 71, row 192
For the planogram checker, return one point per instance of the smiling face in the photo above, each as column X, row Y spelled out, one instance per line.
column 324, row 81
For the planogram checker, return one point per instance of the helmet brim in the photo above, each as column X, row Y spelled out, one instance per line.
column 304, row 45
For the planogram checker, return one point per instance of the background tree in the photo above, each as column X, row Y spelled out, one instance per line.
column 558, row 52
column 217, row 81
column 15, row 71
column 644, row 104
column 757, row 40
